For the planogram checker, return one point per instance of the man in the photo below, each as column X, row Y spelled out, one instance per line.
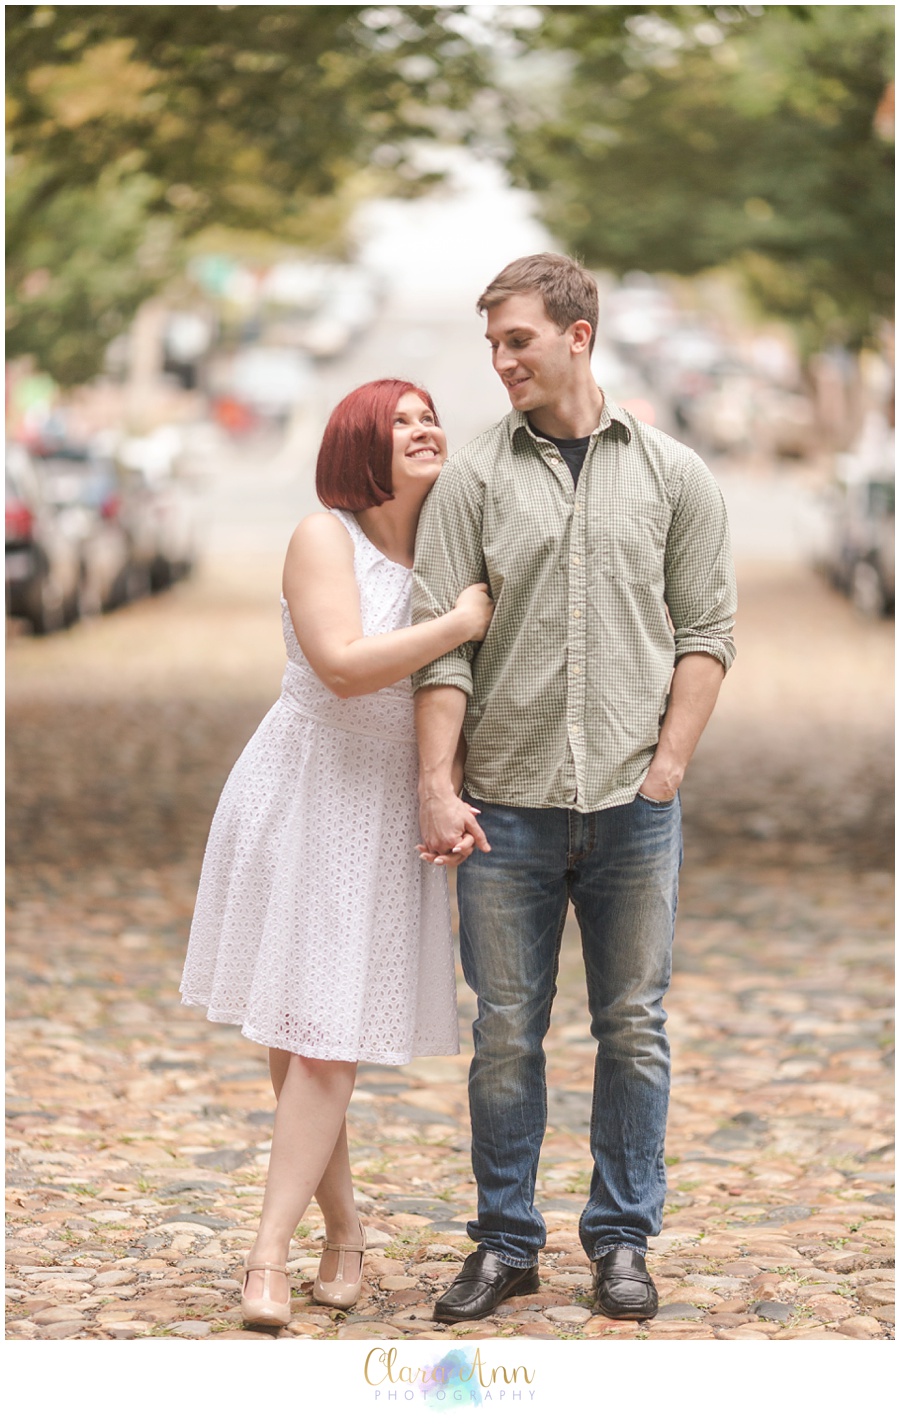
column 605, row 545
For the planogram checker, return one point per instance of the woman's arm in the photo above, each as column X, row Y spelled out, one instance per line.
column 323, row 598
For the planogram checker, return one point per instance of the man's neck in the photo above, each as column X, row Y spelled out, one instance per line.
column 574, row 415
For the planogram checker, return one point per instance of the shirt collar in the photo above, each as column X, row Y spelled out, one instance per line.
column 612, row 415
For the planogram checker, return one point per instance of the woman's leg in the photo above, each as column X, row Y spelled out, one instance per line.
column 309, row 1119
column 279, row 1059
column 334, row 1194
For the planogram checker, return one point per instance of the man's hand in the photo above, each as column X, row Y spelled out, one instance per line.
column 450, row 830
column 695, row 687
column 662, row 780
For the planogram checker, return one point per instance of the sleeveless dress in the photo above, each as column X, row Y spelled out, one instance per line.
column 317, row 928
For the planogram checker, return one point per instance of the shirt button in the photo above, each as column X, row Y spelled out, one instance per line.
column 576, row 558
column 576, row 613
column 576, row 668
column 574, row 729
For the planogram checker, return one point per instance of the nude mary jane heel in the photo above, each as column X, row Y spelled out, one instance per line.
column 262, row 1310
column 340, row 1292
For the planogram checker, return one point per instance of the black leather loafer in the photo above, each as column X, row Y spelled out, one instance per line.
column 623, row 1288
column 482, row 1284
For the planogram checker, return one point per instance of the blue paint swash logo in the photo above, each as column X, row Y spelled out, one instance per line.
column 459, row 1377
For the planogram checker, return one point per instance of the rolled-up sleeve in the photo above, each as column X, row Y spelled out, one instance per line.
column 449, row 557
column 701, row 591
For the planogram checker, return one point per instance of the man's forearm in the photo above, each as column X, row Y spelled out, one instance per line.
column 695, row 688
column 443, row 817
column 439, row 719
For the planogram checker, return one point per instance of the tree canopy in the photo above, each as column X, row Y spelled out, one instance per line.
column 759, row 138
column 669, row 138
column 131, row 127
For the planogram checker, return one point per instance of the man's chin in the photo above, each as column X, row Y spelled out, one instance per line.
column 522, row 400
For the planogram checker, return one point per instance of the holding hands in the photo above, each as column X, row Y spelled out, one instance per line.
column 450, row 822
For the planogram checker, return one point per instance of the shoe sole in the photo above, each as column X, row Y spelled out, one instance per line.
column 624, row 1315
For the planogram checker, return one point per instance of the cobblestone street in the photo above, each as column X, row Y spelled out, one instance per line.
column 139, row 1132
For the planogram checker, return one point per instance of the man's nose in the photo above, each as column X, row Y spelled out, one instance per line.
column 503, row 360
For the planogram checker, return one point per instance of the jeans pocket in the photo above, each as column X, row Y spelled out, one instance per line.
column 660, row 806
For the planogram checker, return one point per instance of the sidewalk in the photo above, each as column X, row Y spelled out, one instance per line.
column 139, row 1133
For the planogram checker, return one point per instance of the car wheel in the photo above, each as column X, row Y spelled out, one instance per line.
column 48, row 607
column 161, row 574
column 137, row 583
column 89, row 598
column 183, row 569
column 866, row 593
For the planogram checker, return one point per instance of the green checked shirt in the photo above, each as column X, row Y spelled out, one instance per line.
column 598, row 590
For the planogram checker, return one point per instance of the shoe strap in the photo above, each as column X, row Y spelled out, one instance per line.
column 347, row 1246
column 264, row 1267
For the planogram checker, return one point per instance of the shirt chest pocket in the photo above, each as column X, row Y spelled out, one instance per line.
column 630, row 540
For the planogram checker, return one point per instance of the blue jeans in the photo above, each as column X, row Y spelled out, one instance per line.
column 620, row 870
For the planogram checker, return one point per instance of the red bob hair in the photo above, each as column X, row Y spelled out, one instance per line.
column 353, row 471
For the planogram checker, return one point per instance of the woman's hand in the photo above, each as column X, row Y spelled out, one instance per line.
column 478, row 606
column 463, row 847
column 461, row 852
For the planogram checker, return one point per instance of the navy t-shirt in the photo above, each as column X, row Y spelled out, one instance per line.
column 572, row 451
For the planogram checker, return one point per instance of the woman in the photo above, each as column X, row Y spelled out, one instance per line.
column 317, row 927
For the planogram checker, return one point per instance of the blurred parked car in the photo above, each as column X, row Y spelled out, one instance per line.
column 623, row 383
column 787, row 424
column 43, row 568
column 637, row 315
column 85, row 492
column 348, row 308
column 860, row 560
column 158, row 509
column 272, row 381
column 318, row 307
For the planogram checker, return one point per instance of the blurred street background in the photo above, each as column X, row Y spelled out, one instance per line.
column 222, row 219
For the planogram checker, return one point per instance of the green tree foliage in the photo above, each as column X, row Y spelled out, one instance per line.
column 676, row 139
column 131, row 127
column 666, row 137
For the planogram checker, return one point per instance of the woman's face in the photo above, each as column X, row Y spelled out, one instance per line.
column 420, row 446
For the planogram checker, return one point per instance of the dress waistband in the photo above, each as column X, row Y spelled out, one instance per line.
column 387, row 714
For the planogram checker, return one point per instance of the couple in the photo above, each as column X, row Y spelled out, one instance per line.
column 572, row 605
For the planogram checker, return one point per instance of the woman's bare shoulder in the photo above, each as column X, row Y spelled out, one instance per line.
column 322, row 524
column 320, row 547
column 320, row 531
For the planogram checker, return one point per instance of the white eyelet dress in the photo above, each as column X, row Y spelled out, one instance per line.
column 317, row 928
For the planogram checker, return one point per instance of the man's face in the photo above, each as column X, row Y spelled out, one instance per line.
column 532, row 357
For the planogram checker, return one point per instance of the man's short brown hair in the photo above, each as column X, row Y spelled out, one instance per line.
column 569, row 292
